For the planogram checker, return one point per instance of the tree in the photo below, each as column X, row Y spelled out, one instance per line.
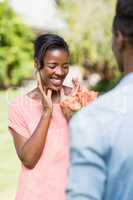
column 89, row 28
column 15, row 47
column 89, row 33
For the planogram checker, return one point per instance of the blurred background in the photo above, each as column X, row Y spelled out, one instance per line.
column 85, row 25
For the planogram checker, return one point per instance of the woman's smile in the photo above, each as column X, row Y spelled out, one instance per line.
column 56, row 81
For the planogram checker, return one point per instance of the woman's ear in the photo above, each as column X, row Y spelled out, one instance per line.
column 36, row 64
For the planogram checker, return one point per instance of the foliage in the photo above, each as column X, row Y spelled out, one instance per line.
column 15, row 47
column 89, row 28
column 89, row 33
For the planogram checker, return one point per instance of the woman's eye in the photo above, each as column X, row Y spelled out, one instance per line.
column 52, row 66
column 65, row 66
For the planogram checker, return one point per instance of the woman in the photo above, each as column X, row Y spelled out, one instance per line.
column 38, row 126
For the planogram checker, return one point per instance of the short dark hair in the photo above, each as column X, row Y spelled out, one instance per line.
column 46, row 42
column 123, row 20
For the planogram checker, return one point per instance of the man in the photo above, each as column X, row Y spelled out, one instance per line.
column 101, row 135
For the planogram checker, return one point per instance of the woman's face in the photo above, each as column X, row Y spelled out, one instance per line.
column 56, row 67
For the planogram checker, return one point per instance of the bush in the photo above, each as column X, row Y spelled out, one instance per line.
column 89, row 34
column 89, row 28
column 15, row 47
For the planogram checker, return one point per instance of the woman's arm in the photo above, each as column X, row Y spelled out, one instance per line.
column 30, row 150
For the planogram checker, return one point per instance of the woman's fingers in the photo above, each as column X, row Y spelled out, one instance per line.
column 49, row 93
column 76, row 87
column 75, row 81
column 42, row 91
column 63, row 96
column 46, row 97
column 40, row 84
column 49, row 98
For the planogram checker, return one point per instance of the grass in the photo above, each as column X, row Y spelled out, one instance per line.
column 9, row 163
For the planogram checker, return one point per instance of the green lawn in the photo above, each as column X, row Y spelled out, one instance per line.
column 9, row 163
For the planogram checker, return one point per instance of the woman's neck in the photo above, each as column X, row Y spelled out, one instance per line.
column 56, row 96
column 36, row 95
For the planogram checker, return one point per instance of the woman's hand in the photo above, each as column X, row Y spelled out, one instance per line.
column 46, row 97
column 70, row 104
column 79, row 98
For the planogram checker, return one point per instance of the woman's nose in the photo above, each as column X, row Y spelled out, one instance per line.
column 59, row 71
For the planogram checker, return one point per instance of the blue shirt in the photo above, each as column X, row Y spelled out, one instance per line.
column 101, row 147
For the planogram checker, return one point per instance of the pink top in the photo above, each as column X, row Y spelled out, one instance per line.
column 47, row 181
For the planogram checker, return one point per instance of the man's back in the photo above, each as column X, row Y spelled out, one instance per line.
column 102, row 143
column 120, row 159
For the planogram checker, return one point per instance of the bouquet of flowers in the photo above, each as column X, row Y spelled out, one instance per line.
column 80, row 97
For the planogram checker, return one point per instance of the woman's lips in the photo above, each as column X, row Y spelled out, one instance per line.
column 56, row 82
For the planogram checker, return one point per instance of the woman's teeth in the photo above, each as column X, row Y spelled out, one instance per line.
column 56, row 82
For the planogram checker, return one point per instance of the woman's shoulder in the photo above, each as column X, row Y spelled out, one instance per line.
column 33, row 94
column 17, row 100
column 20, row 102
column 16, row 106
column 24, row 99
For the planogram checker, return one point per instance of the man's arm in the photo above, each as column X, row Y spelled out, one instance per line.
column 88, row 149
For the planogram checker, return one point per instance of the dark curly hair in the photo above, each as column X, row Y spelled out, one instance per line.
column 46, row 42
column 123, row 20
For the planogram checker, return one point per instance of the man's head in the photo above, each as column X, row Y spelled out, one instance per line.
column 123, row 31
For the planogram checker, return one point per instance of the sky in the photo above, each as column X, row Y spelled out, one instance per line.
column 40, row 14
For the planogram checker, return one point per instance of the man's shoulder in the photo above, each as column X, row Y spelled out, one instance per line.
column 104, row 110
column 113, row 105
column 108, row 101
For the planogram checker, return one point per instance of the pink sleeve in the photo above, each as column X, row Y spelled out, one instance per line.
column 16, row 121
